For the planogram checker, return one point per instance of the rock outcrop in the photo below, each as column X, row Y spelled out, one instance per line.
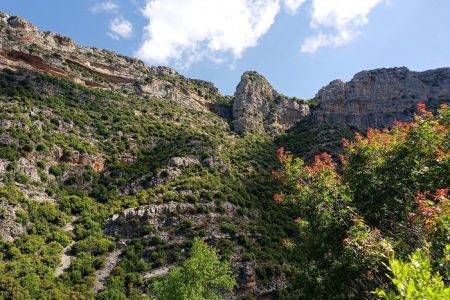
column 259, row 108
column 379, row 97
column 10, row 228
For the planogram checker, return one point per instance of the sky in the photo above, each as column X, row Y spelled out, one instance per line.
column 298, row 45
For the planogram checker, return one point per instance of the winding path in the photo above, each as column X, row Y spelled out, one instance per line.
column 103, row 273
column 66, row 258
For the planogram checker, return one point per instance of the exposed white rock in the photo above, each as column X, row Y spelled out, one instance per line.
column 179, row 162
column 9, row 227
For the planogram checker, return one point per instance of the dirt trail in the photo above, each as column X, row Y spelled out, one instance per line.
column 103, row 273
column 157, row 272
column 66, row 258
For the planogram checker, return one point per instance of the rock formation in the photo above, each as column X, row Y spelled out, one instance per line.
column 373, row 98
column 259, row 108
column 379, row 97
column 10, row 228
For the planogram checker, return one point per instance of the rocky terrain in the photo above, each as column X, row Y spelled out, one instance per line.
column 371, row 99
column 109, row 168
column 257, row 107
column 379, row 97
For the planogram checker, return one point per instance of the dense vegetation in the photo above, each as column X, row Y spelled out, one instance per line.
column 54, row 126
column 72, row 157
column 389, row 195
column 201, row 276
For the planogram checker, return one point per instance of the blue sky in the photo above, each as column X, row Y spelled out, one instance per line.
column 299, row 45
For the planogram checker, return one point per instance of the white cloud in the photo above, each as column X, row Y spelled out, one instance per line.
column 120, row 28
column 292, row 5
column 180, row 32
column 107, row 6
column 184, row 31
column 344, row 17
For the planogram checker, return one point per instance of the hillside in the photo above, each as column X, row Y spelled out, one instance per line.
column 109, row 168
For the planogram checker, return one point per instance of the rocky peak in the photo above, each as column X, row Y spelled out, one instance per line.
column 19, row 23
column 258, row 107
column 162, row 71
column 377, row 98
column 64, row 40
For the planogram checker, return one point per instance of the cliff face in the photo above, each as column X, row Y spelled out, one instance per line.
column 375, row 98
column 259, row 108
column 379, row 97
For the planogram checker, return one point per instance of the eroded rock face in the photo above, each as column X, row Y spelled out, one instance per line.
column 27, row 167
column 9, row 227
column 259, row 108
column 75, row 157
column 18, row 22
column 166, row 90
column 179, row 162
column 379, row 97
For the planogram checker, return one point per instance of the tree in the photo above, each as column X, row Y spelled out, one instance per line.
column 201, row 276
column 389, row 193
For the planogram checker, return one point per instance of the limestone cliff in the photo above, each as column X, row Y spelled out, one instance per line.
column 379, row 97
column 259, row 108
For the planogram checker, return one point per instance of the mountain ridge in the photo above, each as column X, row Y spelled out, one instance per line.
column 109, row 168
column 374, row 98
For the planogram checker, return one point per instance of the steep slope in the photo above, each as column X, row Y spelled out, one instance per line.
column 101, row 190
column 109, row 168
column 23, row 46
column 373, row 98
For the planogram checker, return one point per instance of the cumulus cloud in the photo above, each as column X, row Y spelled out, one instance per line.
column 184, row 31
column 120, row 28
column 180, row 32
column 107, row 6
column 344, row 17
column 292, row 5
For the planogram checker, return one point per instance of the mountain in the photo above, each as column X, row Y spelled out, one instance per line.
column 109, row 168
column 371, row 99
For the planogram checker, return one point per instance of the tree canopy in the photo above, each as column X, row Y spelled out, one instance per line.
column 201, row 276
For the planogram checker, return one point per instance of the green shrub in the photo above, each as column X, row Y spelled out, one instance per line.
column 229, row 228
column 9, row 153
column 201, row 276
column 55, row 170
column 415, row 279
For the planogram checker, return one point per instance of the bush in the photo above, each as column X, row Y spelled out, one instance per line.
column 55, row 170
column 9, row 153
column 414, row 279
column 228, row 228
column 94, row 246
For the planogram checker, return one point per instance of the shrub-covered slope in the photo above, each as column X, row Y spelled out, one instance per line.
column 102, row 191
